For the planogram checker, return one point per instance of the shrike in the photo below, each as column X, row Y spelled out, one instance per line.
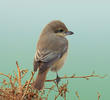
column 52, row 48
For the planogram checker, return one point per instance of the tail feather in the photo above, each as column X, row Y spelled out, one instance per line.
column 39, row 82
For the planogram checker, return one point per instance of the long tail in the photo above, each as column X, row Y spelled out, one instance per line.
column 39, row 82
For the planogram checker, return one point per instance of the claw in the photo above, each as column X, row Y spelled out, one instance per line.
column 57, row 78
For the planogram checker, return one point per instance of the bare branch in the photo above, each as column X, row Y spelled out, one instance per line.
column 73, row 76
column 19, row 77
column 98, row 95
column 27, row 85
column 26, row 91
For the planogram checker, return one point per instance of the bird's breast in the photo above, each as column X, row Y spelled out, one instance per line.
column 59, row 64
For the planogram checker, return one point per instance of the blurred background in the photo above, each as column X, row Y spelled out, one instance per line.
column 89, row 48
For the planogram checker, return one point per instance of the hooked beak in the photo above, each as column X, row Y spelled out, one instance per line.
column 69, row 33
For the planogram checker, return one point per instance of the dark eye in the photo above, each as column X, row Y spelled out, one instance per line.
column 59, row 31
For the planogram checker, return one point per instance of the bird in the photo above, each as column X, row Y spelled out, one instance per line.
column 51, row 51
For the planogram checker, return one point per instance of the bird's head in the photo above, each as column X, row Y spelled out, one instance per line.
column 57, row 27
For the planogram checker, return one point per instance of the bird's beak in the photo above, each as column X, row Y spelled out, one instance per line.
column 69, row 33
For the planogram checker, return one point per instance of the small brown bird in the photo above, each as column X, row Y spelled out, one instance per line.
column 51, row 51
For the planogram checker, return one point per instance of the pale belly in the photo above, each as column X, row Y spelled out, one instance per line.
column 59, row 64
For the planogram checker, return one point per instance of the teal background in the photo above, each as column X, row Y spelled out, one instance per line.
column 21, row 22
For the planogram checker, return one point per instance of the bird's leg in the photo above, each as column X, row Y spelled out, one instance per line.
column 57, row 78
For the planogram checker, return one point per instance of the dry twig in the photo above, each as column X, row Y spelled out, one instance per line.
column 27, row 91
column 27, row 86
column 73, row 76
column 98, row 95
column 19, row 77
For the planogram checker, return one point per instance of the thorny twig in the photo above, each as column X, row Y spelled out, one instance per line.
column 10, row 78
column 73, row 76
column 98, row 95
column 62, row 90
column 6, row 95
column 19, row 77
column 27, row 91
column 27, row 85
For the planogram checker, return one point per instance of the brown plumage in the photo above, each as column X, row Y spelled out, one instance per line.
column 51, row 51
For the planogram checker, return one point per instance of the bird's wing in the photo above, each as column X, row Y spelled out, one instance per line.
column 50, row 52
column 46, row 55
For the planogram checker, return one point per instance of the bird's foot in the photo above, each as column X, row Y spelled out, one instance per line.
column 58, row 79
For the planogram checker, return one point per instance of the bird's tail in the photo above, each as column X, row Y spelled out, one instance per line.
column 39, row 82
